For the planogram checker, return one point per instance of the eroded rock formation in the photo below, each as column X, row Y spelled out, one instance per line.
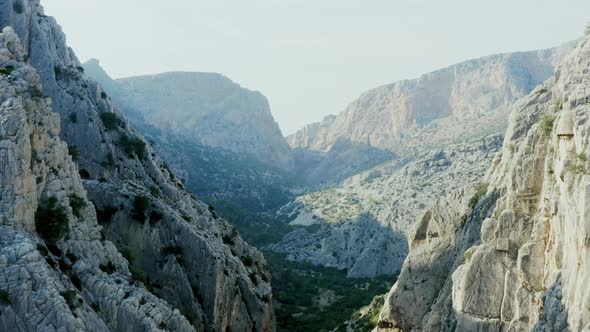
column 200, row 274
column 527, row 268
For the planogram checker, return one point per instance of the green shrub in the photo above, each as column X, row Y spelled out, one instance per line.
column 77, row 203
column 73, row 117
column 253, row 278
column 6, row 70
column 171, row 250
column 5, row 297
column 248, row 261
column 154, row 190
column 51, row 221
column 155, row 216
column 481, row 190
column 582, row 157
column 133, row 146
column 18, row 7
column 76, row 281
column 228, row 240
column 108, row 268
column 71, row 298
column 73, row 151
column 546, row 124
column 105, row 215
column 103, row 95
column 138, row 275
column 468, row 254
column 110, row 120
column 140, row 205
column 72, row 257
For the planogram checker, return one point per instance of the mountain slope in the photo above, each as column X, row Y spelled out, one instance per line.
column 175, row 245
column 204, row 108
column 468, row 93
column 56, row 280
column 451, row 123
column 465, row 101
column 519, row 261
column 363, row 225
column 214, row 173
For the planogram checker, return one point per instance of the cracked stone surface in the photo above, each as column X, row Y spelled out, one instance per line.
column 176, row 261
column 537, row 279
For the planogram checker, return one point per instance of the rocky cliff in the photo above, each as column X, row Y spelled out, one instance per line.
column 184, row 268
column 466, row 94
column 204, row 108
column 216, row 173
column 449, row 124
column 516, row 259
column 362, row 226
column 464, row 101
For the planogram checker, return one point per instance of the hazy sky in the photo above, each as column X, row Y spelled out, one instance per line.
column 310, row 58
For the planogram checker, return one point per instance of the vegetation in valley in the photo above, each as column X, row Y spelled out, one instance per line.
column 314, row 298
column 51, row 221
column 257, row 228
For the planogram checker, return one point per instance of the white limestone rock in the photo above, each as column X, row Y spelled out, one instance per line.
column 542, row 211
column 179, row 246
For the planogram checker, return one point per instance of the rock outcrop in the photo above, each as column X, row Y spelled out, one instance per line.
column 199, row 272
column 61, row 288
column 527, row 266
column 441, row 130
column 452, row 105
column 363, row 225
column 204, row 108
column 240, row 177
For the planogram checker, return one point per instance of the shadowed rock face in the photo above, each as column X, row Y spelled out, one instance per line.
column 364, row 224
column 204, row 108
column 213, row 171
column 528, row 269
column 172, row 242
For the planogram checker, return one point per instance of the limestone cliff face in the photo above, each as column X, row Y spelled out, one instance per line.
column 363, row 225
column 518, row 261
column 207, row 109
column 175, row 245
column 62, row 288
column 243, row 177
column 469, row 93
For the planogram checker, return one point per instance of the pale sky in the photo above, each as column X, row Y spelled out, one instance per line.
column 310, row 58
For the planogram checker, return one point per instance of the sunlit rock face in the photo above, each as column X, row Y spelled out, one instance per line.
column 184, row 269
column 527, row 268
column 441, row 132
column 400, row 120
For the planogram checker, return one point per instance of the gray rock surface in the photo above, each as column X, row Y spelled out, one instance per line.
column 175, row 245
column 441, row 130
column 34, row 281
column 241, row 177
column 363, row 225
column 204, row 108
column 465, row 101
column 529, row 268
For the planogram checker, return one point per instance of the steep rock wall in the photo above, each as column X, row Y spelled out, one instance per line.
column 529, row 267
